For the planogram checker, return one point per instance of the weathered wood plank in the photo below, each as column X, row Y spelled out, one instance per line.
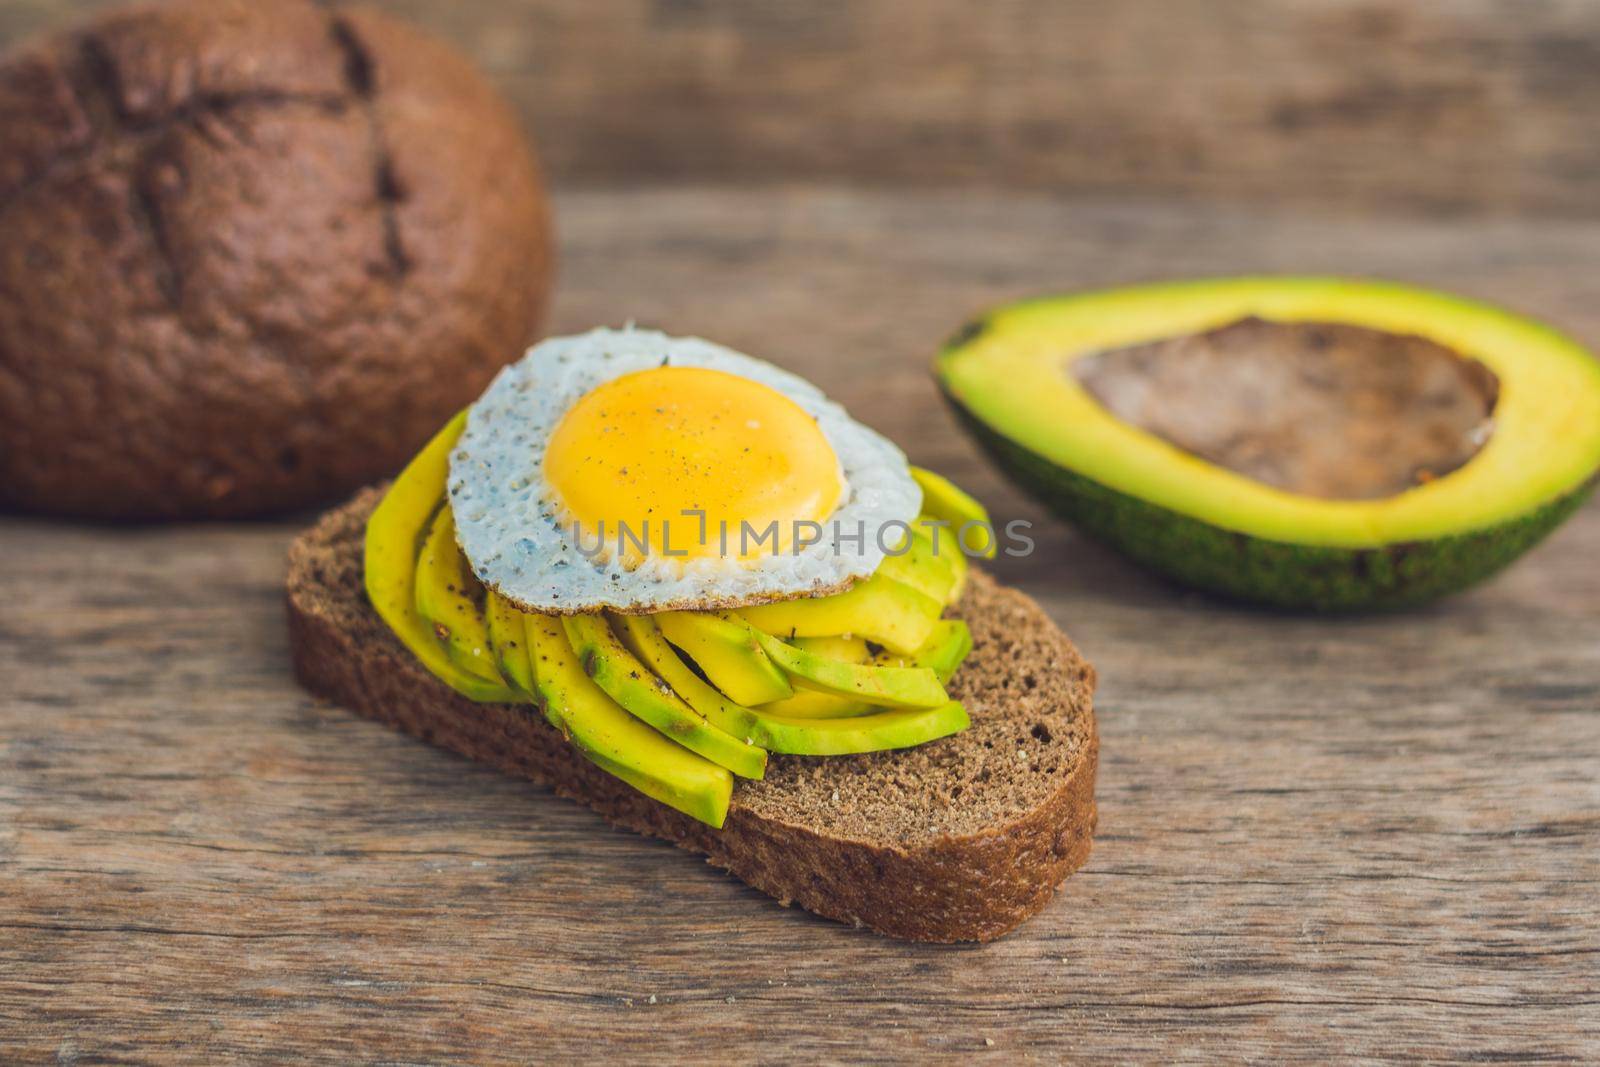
column 1444, row 104
column 1377, row 837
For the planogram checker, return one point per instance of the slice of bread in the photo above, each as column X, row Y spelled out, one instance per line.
column 957, row 840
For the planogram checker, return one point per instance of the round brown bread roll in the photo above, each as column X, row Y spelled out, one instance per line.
column 251, row 256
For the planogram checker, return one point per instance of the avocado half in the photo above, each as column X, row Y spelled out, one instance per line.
column 1319, row 443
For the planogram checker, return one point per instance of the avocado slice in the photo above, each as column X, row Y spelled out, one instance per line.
column 880, row 609
column 616, row 741
column 632, row 685
column 727, row 654
column 942, row 653
column 509, row 642
column 643, row 638
column 1320, row 443
column 943, row 538
column 879, row 732
column 815, row 704
column 450, row 598
column 923, row 567
column 894, row 687
column 946, row 502
column 838, row 646
column 777, row 733
column 395, row 532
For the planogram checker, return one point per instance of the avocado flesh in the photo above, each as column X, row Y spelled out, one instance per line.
column 842, row 648
column 509, row 641
column 1310, row 541
column 946, row 647
column 815, row 704
column 394, row 534
column 893, row 687
column 615, row 740
column 449, row 598
column 727, row 654
column 943, row 538
column 879, row 609
column 921, row 566
column 942, row 654
column 632, row 685
column 643, row 638
column 778, row 733
column 946, row 502
column 879, row 732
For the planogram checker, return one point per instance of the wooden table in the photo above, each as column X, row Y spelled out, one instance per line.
column 1373, row 836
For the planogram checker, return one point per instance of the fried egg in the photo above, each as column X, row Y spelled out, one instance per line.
column 637, row 472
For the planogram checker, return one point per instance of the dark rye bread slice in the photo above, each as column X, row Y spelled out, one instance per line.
column 960, row 839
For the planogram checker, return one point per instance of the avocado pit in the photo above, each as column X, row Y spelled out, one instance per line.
column 1327, row 410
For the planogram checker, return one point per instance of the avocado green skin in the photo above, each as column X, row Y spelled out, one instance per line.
column 1277, row 573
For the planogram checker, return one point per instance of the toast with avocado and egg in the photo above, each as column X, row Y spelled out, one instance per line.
column 844, row 713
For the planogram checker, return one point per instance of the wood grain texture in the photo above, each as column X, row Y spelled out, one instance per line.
column 1444, row 104
column 1370, row 837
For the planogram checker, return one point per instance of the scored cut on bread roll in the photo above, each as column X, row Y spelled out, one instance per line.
column 251, row 255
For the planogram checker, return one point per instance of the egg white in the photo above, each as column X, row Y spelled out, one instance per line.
column 508, row 524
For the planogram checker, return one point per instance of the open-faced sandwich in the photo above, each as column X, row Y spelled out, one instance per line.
column 681, row 586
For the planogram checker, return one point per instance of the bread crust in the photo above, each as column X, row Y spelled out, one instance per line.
column 253, row 255
column 968, row 885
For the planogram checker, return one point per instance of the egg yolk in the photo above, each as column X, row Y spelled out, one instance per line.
column 683, row 458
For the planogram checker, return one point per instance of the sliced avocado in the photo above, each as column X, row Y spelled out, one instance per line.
column 942, row 653
column 815, row 704
column 616, row 741
column 943, row 538
column 395, row 533
column 450, row 598
column 727, row 654
column 879, row 609
column 643, row 695
column 894, row 687
column 1308, row 442
column 921, row 566
column 835, row 646
column 642, row 637
column 947, row 646
column 777, row 733
column 509, row 642
column 880, row 732
column 947, row 502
